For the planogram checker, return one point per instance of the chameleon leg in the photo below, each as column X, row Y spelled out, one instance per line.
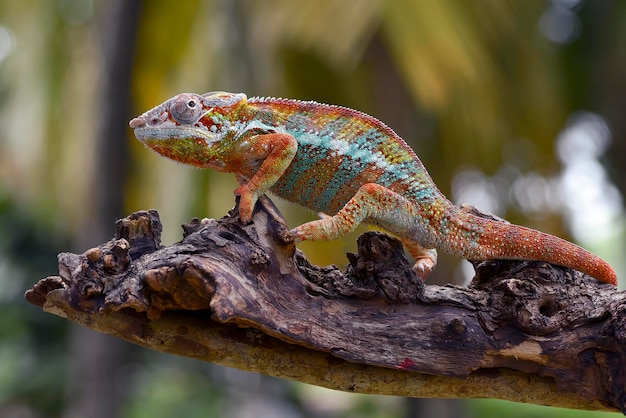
column 276, row 150
column 425, row 258
column 379, row 205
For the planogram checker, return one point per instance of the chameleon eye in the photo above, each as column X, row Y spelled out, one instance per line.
column 185, row 110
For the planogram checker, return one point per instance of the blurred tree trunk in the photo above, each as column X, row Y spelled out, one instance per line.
column 93, row 385
column 606, row 64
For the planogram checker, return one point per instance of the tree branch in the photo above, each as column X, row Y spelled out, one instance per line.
column 244, row 297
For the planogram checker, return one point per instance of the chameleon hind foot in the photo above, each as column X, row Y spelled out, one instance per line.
column 424, row 266
column 425, row 258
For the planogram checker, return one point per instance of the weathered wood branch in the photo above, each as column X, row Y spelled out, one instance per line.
column 243, row 296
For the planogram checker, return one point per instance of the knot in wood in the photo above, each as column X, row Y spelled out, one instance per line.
column 457, row 326
column 258, row 260
column 284, row 237
column 378, row 247
column 381, row 263
column 93, row 254
column 518, row 288
column 91, row 288
column 142, row 230
column 191, row 227
column 535, row 309
column 117, row 258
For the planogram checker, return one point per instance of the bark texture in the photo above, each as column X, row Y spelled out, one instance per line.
column 243, row 296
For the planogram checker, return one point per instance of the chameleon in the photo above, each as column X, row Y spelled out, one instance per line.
column 346, row 165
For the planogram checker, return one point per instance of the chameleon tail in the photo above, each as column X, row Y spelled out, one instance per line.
column 477, row 238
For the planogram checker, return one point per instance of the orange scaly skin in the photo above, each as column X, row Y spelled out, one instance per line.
column 343, row 162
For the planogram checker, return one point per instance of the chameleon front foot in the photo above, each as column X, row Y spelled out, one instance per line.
column 247, row 201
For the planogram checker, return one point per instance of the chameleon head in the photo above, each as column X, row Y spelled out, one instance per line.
column 189, row 127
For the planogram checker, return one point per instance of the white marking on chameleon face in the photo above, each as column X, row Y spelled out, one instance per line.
column 242, row 127
column 210, row 140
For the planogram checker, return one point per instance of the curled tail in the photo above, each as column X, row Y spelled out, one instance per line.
column 477, row 238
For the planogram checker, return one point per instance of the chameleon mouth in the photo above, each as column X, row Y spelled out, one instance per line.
column 145, row 133
column 151, row 135
column 137, row 123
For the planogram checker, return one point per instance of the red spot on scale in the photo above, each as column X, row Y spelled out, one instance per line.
column 407, row 363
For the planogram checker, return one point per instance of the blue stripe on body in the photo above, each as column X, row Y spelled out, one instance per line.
column 293, row 187
column 357, row 157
